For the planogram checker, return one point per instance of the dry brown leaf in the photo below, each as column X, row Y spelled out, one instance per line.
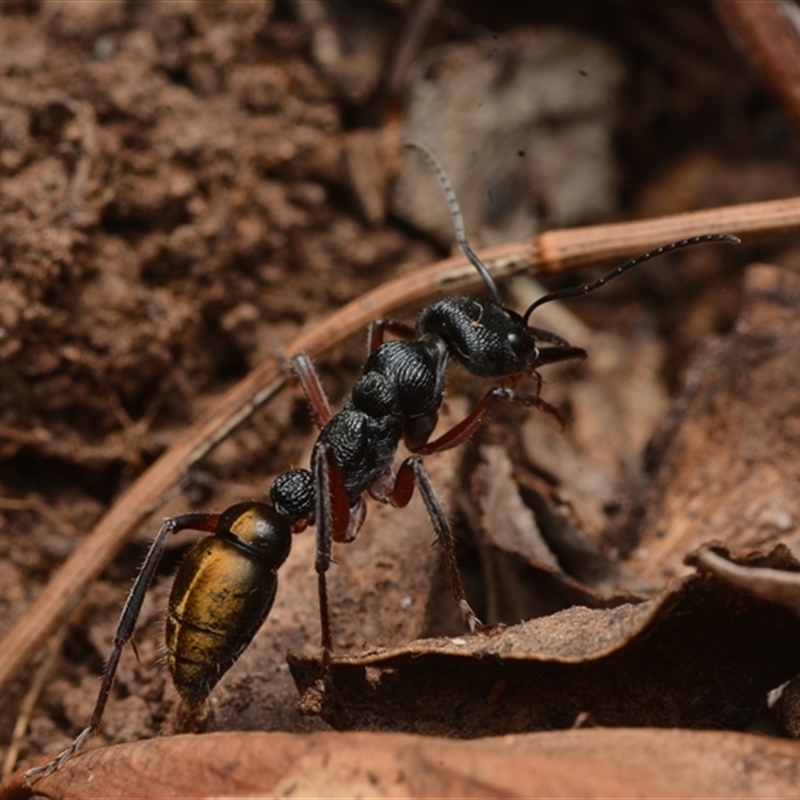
column 778, row 583
column 729, row 468
column 504, row 518
column 775, row 585
column 531, row 579
column 581, row 556
column 703, row 654
column 785, row 708
column 508, row 162
column 614, row 405
column 577, row 763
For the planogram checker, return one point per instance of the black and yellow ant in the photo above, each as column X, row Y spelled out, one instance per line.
column 225, row 586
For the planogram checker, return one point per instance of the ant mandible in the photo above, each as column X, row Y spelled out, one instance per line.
column 226, row 584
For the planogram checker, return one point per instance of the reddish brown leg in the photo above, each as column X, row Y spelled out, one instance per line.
column 382, row 487
column 336, row 521
column 328, row 508
column 535, row 400
column 412, row 473
column 462, row 431
column 378, row 329
column 309, row 380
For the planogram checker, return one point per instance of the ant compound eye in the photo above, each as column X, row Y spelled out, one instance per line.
column 523, row 345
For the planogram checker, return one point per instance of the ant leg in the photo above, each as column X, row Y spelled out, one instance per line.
column 333, row 523
column 336, row 521
column 332, row 502
column 535, row 401
column 315, row 394
column 463, row 430
column 412, row 473
column 127, row 621
column 379, row 327
column 381, row 488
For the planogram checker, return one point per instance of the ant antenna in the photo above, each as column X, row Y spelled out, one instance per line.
column 458, row 220
column 585, row 288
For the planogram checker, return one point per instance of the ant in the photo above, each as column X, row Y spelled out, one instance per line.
column 226, row 584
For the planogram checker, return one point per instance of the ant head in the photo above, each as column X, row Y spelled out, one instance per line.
column 490, row 340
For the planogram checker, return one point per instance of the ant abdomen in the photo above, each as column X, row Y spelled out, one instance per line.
column 222, row 593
